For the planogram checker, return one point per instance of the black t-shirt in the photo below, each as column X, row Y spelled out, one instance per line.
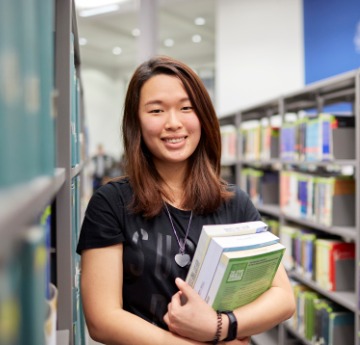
column 149, row 245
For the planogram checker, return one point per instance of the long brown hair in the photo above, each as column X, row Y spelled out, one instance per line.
column 204, row 190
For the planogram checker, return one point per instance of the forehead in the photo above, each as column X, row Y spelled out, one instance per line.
column 162, row 85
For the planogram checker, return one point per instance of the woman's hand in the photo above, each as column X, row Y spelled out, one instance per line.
column 190, row 316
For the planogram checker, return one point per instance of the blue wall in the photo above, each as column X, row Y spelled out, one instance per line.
column 331, row 37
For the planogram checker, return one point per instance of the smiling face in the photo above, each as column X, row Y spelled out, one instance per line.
column 169, row 126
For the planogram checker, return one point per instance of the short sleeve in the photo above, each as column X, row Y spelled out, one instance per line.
column 243, row 203
column 101, row 226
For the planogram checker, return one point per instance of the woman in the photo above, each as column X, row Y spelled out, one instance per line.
column 140, row 232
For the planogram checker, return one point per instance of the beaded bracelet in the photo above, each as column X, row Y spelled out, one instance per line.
column 218, row 328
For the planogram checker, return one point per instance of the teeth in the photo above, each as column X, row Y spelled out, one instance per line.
column 174, row 140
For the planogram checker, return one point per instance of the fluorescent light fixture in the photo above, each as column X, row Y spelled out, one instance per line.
column 196, row 38
column 117, row 50
column 98, row 10
column 169, row 42
column 135, row 32
column 82, row 41
column 200, row 21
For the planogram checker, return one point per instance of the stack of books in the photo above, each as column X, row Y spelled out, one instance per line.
column 234, row 263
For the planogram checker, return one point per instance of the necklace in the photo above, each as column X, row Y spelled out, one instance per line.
column 181, row 258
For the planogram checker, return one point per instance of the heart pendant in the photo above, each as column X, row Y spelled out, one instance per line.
column 182, row 259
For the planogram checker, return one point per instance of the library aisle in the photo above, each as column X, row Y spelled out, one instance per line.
column 298, row 158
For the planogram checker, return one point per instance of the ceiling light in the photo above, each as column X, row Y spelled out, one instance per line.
column 117, row 50
column 196, row 38
column 169, row 42
column 200, row 21
column 135, row 32
column 98, row 10
column 82, row 41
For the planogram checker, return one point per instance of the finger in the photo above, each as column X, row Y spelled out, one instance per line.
column 175, row 300
column 166, row 318
column 187, row 292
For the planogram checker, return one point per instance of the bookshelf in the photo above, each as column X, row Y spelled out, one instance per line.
column 265, row 148
column 44, row 112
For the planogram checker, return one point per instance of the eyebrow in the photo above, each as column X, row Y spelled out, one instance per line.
column 155, row 101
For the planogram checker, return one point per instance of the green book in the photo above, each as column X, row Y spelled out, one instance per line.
column 32, row 256
column 310, row 296
column 219, row 245
column 217, row 230
column 242, row 276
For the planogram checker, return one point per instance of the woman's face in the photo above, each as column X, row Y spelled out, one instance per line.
column 170, row 128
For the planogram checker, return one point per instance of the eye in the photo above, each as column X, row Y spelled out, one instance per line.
column 187, row 108
column 155, row 111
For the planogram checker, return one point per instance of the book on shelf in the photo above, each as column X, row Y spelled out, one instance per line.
column 341, row 328
column 327, row 200
column 287, row 238
column 288, row 141
column 45, row 10
column 217, row 230
column 228, row 143
column 51, row 315
column 327, row 308
column 10, row 306
column 335, row 264
column 261, row 185
column 32, row 256
column 251, row 138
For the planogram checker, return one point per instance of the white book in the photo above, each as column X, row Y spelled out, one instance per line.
column 217, row 230
column 219, row 245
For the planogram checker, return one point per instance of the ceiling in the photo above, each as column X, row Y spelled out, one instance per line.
column 175, row 20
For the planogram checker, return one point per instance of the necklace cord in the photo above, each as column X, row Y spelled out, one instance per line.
column 182, row 244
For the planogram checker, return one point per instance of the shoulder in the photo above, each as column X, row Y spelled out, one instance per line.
column 115, row 191
column 240, row 205
column 238, row 193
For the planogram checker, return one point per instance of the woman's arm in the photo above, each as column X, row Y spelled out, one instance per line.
column 197, row 320
column 101, row 292
column 271, row 308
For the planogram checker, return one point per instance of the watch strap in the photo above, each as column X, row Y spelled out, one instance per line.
column 232, row 332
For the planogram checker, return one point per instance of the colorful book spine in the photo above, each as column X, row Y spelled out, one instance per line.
column 335, row 265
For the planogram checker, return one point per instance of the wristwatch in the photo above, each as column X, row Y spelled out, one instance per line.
column 232, row 332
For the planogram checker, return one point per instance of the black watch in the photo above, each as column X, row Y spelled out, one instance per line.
column 232, row 332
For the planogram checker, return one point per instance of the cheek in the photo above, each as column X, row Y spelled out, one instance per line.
column 194, row 127
column 150, row 128
column 149, row 131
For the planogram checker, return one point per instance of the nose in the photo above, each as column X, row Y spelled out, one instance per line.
column 173, row 120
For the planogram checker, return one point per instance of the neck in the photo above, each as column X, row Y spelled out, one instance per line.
column 174, row 177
